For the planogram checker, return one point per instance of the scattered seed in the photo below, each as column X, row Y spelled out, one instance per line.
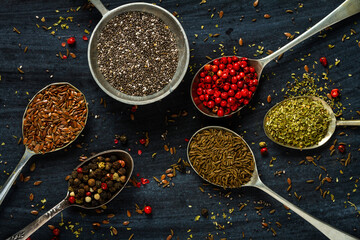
column 221, row 14
column 114, row 231
column 26, row 49
column 289, row 181
column 20, row 70
column 306, row 68
column 31, row 197
column 72, row 55
column 289, row 188
column 125, row 223
column 241, row 41
column 16, row 30
column 32, row 167
column 21, row 177
column 268, row 98
column 27, row 178
column 111, row 215
column 105, row 221
column 267, row 16
column 96, row 225
column 256, row 2
column 37, row 183
column 34, row 212
column 289, row 11
column 128, row 213
column 51, row 227
column 169, row 237
column 310, row 181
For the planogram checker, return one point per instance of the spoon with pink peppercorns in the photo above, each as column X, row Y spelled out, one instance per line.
column 92, row 184
column 225, row 85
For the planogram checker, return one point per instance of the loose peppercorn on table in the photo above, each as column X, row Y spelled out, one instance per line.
column 44, row 42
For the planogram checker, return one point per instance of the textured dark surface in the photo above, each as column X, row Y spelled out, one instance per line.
column 176, row 207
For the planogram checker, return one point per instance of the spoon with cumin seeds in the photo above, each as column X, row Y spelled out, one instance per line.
column 223, row 158
column 52, row 120
column 92, row 184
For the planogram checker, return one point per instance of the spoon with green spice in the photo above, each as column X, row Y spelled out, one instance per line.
column 223, row 158
column 304, row 122
column 104, row 165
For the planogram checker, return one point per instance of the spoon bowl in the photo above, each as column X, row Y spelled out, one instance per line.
column 255, row 181
column 32, row 227
column 169, row 20
column 29, row 153
column 330, row 130
column 345, row 10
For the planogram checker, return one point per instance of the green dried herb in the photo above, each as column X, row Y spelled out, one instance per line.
column 298, row 122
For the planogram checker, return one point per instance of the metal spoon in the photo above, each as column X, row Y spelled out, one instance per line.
column 345, row 10
column 169, row 20
column 28, row 153
column 255, row 181
column 331, row 128
column 35, row 225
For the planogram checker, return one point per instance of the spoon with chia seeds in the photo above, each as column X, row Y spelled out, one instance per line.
column 249, row 73
column 223, row 158
column 97, row 194
column 304, row 122
column 52, row 120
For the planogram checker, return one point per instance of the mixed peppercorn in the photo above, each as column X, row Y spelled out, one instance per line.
column 97, row 181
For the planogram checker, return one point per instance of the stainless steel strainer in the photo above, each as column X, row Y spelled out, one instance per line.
column 169, row 20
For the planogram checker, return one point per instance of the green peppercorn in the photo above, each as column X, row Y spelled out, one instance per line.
column 262, row 144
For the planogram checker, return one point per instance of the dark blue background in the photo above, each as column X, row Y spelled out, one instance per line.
column 176, row 207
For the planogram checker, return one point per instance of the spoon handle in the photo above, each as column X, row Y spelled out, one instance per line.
column 345, row 10
column 326, row 229
column 35, row 225
column 8, row 184
column 348, row 123
column 99, row 6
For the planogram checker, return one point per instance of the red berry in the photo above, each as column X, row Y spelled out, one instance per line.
column 222, row 66
column 207, row 67
column 323, row 61
column 220, row 112
column 264, row 151
column 85, row 38
column 214, row 68
column 216, row 62
column 148, row 210
column 224, row 95
column 88, row 193
column 64, row 57
column 144, row 181
column 142, row 141
column 71, row 40
column 208, row 79
column 217, row 100
column 335, row 93
column 71, row 199
column 104, row 186
column 79, row 170
column 341, row 148
column 202, row 74
column 224, row 60
column 56, row 231
column 231, row 100
column 211, row 104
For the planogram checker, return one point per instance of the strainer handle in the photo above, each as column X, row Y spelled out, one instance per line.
column 99, row 6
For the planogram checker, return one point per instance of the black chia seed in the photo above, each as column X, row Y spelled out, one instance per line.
column 137, row 53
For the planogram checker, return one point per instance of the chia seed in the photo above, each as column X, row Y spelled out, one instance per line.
column 137, row 53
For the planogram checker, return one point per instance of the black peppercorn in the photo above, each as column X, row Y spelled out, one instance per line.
column 123, row 139
column 204, row 212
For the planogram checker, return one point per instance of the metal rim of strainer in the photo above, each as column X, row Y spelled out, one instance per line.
column 183, row 49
